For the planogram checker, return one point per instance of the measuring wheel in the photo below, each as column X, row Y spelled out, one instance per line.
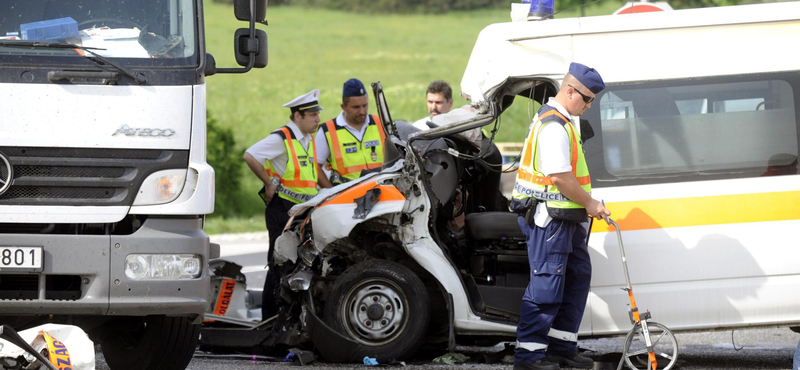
column 665, row 347
column 649, row 345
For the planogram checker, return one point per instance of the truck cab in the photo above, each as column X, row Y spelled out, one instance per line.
column 104, row 184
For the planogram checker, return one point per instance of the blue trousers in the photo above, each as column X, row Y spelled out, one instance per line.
column 553, row 304
column 796, row 362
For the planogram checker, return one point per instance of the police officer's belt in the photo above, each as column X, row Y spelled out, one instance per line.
column 291, row 194
column 540, row 195
column 339, row 179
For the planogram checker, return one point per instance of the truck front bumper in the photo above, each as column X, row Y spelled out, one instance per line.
column 96, row 263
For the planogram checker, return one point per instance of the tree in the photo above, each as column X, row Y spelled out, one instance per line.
column 225, row 157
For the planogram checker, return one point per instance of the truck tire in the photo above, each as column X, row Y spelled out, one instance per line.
column 381, row 305
column 153, row 343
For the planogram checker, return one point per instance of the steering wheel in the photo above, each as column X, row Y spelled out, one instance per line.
column 108, row 22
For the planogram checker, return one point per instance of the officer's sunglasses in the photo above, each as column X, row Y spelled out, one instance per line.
column 586, row 99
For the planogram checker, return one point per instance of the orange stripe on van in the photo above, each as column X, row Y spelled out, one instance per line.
column 388, row 193
column 700, row 211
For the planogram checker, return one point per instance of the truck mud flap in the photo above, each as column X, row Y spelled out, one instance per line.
column 241, row 338
column 331, row 345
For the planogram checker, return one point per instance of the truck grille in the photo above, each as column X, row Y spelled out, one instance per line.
column 53, row 171
column 81, row 176
column 42, row 192
column 19, row 286
column 26, row 287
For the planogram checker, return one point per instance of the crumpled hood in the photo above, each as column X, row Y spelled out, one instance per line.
column 498, row 56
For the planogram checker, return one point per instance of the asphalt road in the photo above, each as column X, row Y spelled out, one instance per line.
column 762, row 348
column 744, row 349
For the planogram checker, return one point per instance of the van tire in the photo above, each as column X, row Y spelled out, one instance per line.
column 152, row 343
column 383, row 306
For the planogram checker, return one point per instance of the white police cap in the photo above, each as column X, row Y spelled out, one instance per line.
column 307, row 102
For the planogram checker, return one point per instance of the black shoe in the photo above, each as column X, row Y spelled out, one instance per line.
column 575, row 360
column 538, row 365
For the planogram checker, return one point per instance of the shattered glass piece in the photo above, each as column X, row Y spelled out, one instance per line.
column 300, row 280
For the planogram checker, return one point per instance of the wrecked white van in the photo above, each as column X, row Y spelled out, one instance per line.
column 694, row 152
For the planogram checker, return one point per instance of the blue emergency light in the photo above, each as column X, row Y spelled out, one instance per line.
column 541, row 9
column 51, row 29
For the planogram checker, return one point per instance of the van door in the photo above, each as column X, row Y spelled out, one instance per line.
column 701, row 176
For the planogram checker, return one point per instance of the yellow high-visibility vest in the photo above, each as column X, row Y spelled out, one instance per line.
column 299, row 181
column 348, row 156
column 532, row 184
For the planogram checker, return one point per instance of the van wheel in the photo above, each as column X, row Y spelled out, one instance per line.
column 152, row 343
column 381, row 305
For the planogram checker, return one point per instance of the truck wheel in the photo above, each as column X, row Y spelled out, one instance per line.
column 381, row 305
column 153, row 343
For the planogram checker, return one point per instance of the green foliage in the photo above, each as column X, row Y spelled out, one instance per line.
column 235, row 224
column 410, row 6
column 686, row 4
column 391, row 6
column 226, row 159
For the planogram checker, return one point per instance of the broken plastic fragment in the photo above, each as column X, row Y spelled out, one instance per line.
column 370, row 361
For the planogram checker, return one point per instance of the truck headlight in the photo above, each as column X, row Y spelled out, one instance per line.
column 162, row 266
column 160, row 187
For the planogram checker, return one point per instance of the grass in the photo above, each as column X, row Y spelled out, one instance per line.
column 220, row 225
column 320, row 49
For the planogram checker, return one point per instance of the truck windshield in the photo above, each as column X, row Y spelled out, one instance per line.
column 143, row 32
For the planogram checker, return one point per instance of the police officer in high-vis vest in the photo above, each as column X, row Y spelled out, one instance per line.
column 552, row 193
column 286, row 162
column 351, row 142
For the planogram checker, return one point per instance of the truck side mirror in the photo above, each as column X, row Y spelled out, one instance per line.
column 241, row 8
column 210, row 68
column 244, row 45
column 250, row 44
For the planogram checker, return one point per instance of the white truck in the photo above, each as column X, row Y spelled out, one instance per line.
column 104, row 184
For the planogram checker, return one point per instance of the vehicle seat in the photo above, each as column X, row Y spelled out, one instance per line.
column 493, row 226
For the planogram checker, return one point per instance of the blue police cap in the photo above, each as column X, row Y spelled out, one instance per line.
column 353, row 87
column 587, row 76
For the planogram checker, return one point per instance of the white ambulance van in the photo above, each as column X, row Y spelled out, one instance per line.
column 694, row 152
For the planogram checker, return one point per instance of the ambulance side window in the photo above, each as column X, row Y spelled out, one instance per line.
column 694, row 130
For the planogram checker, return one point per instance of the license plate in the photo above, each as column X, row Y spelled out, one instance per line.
column 20, row 258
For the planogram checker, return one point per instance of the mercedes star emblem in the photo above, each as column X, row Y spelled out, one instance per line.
column 6, row 173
